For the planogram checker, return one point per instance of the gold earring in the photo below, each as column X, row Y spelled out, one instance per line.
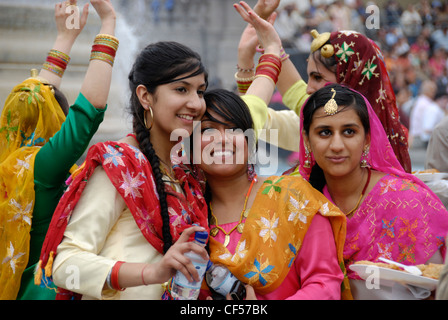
column 364, row 163
column 152, row 118
column 307, row 163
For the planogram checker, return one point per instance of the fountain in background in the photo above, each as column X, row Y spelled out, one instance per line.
column 27, row 32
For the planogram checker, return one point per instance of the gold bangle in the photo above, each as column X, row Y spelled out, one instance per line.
column 250, row 79
column 97, row 55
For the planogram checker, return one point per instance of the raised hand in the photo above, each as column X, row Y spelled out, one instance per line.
column 264, row 8
column 266, row 33
column 107, row 14
column 69, row 21
column 69, row 24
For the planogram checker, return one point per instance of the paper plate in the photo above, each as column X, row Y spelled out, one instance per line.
column 390, row 275
column 427, row 176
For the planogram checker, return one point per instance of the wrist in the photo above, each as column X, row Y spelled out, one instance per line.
column 64, row 42
column 143, row 275
column 273, row 50
column 246, row 54
column 108, row 26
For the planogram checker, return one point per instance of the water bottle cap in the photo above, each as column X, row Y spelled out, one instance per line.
column 201, row 236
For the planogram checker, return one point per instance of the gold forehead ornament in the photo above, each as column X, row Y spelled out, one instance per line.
column 331, row 107
column 327, row 50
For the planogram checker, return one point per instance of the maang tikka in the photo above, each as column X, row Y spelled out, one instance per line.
column 331, row 107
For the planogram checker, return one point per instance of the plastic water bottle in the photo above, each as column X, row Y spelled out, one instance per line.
column 223, row 282
column 181, row 288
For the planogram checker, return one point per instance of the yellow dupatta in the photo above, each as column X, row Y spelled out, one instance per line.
column 274, row 231
column 30, row 117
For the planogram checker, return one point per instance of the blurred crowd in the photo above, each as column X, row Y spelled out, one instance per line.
column 413, row 39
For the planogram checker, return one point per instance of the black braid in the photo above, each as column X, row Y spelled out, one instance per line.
column 145, row 145
column 157, row 64
column 208, row 199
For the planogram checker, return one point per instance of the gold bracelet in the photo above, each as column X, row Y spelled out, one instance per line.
column 250, row 79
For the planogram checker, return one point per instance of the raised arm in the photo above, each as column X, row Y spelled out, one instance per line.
column 262, row 86
column 53, row 68
column 97, row 81
column 289, row 74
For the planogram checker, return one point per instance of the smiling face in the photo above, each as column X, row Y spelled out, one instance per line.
column 337, row 142
column 318, row 74
column 224, row 148
column 175, row 105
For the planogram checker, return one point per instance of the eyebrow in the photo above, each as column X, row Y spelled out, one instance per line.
column 315, row 73
column 187, row 83
column 348, row 125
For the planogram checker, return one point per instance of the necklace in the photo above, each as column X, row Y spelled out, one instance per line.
column 362, row 193
column 214, row 231
column 168, row 171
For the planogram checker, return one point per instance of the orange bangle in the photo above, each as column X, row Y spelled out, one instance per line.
column 114, row 276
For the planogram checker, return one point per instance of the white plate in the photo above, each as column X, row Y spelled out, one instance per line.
column 390, row 275
column 427, row 176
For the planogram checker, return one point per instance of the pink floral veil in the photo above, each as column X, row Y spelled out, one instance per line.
column 381, row 156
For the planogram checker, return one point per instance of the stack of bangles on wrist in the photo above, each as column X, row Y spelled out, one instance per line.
column 56, row 62
column 244, row 83
column 269, row 66
column 104, row 48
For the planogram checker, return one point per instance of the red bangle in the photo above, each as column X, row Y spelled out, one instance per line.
column 58, row 62
column 103, row 48
column 114, row 276
column 272, row 58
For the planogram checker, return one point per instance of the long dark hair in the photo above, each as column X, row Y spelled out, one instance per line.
column 61, row 99
column 157, row 64
column 344, row 97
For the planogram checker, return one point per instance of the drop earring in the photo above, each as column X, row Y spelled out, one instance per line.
column 251, row 172
column 365, row 154
column 307, row 163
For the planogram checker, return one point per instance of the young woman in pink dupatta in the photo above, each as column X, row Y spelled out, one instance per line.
column 345, row 153
column 345, row 57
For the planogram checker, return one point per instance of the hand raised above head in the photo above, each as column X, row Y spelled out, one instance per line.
column 105, row 9
column 267, row 35
column 265, row 8
column 69, row 21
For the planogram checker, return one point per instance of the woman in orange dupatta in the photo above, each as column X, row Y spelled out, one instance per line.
column 277, row 233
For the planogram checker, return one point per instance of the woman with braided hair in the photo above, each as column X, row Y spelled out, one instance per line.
column 127, row 217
